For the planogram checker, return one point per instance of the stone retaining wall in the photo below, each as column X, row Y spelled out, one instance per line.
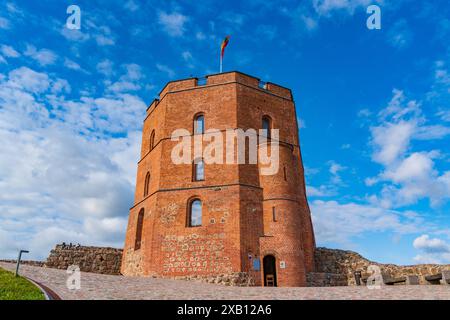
column 89, row 259
column 345, row 263
column 325, row 279
column 236, row 279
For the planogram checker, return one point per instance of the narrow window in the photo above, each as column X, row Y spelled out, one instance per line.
column 140, row 221
column 195, row 213
column 266, row 126
column 147, row 184
column 274, row 214
column 199, row 124
column 199, row 170
column 285, row 174
column 152, row 140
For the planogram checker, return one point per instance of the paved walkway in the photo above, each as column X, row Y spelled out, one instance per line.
column 98, row 286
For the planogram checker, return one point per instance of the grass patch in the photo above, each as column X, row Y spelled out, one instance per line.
column 17, row 288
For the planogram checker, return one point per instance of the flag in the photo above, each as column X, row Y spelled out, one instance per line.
column 224, row 44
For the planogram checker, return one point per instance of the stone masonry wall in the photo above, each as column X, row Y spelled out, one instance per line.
column 345, row 263
column 89, row 259
column 326, row 279
column 236, row 279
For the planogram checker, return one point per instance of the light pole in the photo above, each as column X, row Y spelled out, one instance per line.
column 18, row 261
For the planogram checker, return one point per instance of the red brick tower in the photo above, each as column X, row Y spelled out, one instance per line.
column 216, row 220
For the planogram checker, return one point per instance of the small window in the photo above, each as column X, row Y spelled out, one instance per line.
column 274, row 214
column 195, row 213
column 147, row 184
column 152, row 140
column 140, row 222
column 199, row 124
column 199, row 170
column 284, row 173
column 266, row 126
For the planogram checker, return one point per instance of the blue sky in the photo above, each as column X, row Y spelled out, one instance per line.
column 373, row 108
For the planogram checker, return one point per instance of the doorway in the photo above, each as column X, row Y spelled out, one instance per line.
column 270, row 271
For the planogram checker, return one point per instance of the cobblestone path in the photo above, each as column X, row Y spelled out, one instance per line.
column 98, row 286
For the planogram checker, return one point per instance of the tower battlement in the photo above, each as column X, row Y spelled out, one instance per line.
column 224, row 78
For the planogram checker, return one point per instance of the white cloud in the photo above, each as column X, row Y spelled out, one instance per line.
column 416, row 166
column 71, row 64
column 235, row 20
column 9, row 52
column 13, row 9
column 28, row 80
column 4, row 23
column 336, row 222
column 187, row 56
column 400, row 35
column 74, row 34
column 301, row 123
column 391, row 140
column 200, row 35
column 60, row 86
column 103, row 40
column 43, row 56
column 131, row 5
column 399, row 108
column 408, row 175
column 431, row 132
column 173, row 23
column 321, row 191
column 444, row 115
column 364, row 113
column 105, row 67
column 165, row 69
column 335, row 168
column 128, row 81
column 326, row 7
column 55, row 184
column 102, row 34
column 431, row 245
column 309, row 22
column 433, row 250
column 122, row 86
column 134, row 71
column 307, row 14
column 189, row 59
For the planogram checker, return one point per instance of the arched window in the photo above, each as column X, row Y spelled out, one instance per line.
column 266, row 126
column 140, row 222
column 198, row 173
column 147, row 184
column 152, row 140
column 195, row 213
column 199, row 124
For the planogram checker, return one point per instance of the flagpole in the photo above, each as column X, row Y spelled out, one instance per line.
column 220, row 63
